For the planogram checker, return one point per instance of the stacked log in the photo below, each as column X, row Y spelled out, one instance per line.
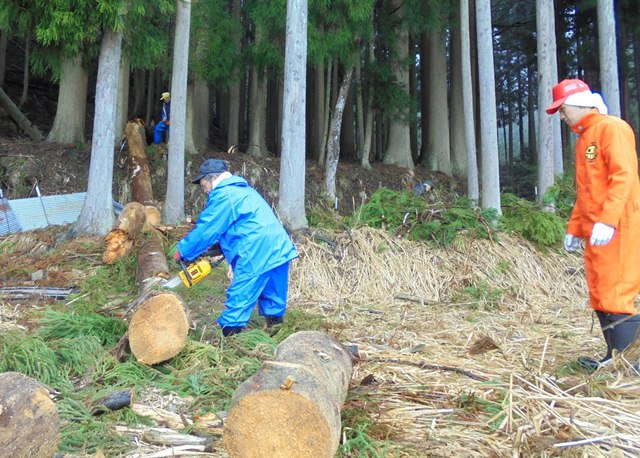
column 29, row 422
column 158, row 326
column 291, row 407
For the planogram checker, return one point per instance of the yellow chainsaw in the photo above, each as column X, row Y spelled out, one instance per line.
column 192, row 272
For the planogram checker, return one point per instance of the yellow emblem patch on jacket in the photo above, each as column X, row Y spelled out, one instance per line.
column 592, row 152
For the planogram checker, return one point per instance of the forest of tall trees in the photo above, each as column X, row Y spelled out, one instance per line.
column 407, row 70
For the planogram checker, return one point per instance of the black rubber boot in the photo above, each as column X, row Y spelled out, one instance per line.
column 273, row 320
column 593, row 364
column 623, row 333
column 606, row 331
column 619, row 331
column 231, row 330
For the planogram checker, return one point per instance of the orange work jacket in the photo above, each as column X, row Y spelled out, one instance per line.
column 608, row 191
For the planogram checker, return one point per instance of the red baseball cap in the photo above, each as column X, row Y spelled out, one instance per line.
column 564, row 89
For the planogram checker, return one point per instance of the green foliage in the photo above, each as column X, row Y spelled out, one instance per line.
column 336, row 29
column 71, row 325
column 363, row 436
column 213, row 55
column 482, row 295
column 321, row 217
column 118, row 277
column 530, row 221
column 29, row 355
column 562, row 194
column 410, row 216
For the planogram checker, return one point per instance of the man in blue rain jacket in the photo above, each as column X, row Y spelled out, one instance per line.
column 253, row 241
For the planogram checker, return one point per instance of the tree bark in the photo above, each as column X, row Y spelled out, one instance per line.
column 173, row 211
column 68, row 125
column 489, row 123
column 138, row 164
column 292, row 165
column 333, row 144
column 291, row 407
column 473, row 188
column 19, row 118
column 96, row 217
column 29, row 422
column 398, row 150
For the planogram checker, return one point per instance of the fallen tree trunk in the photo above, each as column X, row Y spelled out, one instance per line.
column 141, row 190
column 126, row 228
column 29, row 422
column 158, row 328
column 19, row 118
column 291, row 407
column 159, row 324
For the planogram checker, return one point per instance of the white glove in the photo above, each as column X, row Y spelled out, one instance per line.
column 572, row 243
column 601, row 234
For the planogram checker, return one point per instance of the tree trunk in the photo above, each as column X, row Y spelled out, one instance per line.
column 258, row 115
column 139, row 84
column 159, row 327
column 122, row 108
column 438, row 147
column 68, row 125
column 291, row 407
column 368, row 117
column 233, row 129
column 322, row 154
column 3, row 56
column 333, row 144
column 489, row 129
column 398, row 151
column 138, row 164
column 173, row 211
column 318, row 105
column 467, row 100
column 189, row 128
column 126, row 229
column 608, row 55
column 545, row 28
column 201, row 113
column 457, row 135
column 26, row 70
column 19, row 118
column 292, row 165
column 96, row 217
column 29, row 422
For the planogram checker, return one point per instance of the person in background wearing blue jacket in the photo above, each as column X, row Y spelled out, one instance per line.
column 163, row 125
column 253, row 241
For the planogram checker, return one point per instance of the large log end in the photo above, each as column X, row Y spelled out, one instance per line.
column 158, row 329
column 277, row 424
column 29, row 422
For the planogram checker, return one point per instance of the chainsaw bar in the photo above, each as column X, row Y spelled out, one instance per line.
column 173, row 283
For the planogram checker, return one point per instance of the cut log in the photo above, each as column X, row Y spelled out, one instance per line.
column 152, row 262
column 125, row 230
column 159, row 327
column 291, row 407
column 141, row 190
column 29, row 422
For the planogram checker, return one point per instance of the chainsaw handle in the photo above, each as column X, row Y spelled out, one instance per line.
column 183, row 266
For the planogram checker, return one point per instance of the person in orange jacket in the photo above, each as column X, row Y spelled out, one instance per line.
column 606, row 213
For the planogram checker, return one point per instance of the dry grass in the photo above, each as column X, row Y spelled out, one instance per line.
column 451, row 374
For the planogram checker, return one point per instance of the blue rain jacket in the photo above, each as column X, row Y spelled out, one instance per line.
column 251, row 236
